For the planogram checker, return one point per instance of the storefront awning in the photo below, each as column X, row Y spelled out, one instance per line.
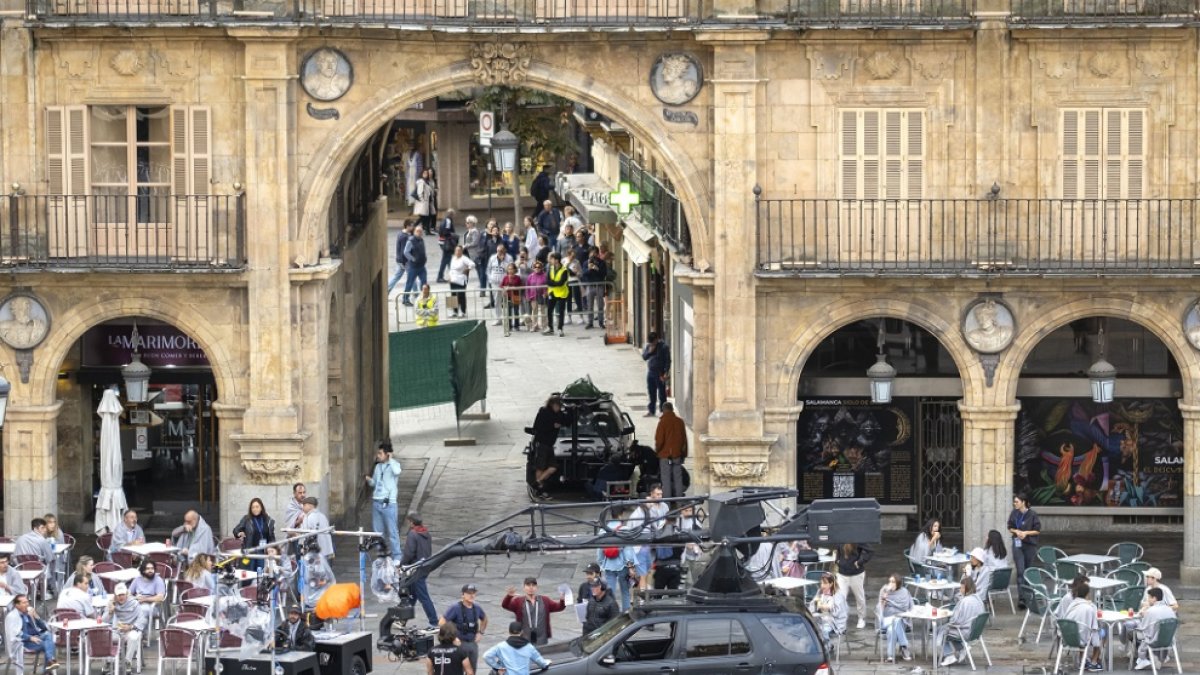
column 633, row 224
column 637, row 250
column 588, row 193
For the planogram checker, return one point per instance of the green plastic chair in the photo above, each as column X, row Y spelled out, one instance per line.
column 1041, row 580
column 1070, row 641
column 1048, row 557
column 1041, row 605
column 1164, row 641
column 1127, row 598
column 1128, row 576
column 1001, row 579
column 1139, row 565
column 1067, row 571
column 1127, row 551
column 976, row 635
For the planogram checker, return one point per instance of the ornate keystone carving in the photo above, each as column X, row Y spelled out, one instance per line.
column 270, row 459
column 880, row 66
column 735, row 472
column 500, row 63
column 739, row 461
column 127, row 63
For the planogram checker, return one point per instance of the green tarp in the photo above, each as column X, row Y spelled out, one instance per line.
column 419, row 362
column 468, row 368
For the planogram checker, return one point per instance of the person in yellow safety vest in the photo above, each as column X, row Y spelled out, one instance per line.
column 427, row 309
column 556, row 299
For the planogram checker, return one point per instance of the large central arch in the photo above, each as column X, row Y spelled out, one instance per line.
column 338, row 150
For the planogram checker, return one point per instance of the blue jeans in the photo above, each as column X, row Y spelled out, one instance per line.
column 420, row 593
column 896, row 636
column 615, row 580
column 383, row 519
column 415, row 272
column 396, row 277
column 657, row 388
column 46, row 646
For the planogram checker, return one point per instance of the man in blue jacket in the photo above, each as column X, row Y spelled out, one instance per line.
column 384, row 494
column 657, row 356
column 414, row 252
column 513, row 656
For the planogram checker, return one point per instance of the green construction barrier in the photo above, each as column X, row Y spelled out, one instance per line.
column 419, row 364
column 468, row 368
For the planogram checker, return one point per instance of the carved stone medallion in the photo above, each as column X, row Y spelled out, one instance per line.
column 1191, row 324
column 988, row 326
column 24, row 321
column 676, row 78
column 326, row 74
column 500, row 63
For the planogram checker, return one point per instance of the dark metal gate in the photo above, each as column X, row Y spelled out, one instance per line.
column 939, row 445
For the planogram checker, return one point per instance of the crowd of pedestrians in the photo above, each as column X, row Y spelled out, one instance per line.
column 548, row 273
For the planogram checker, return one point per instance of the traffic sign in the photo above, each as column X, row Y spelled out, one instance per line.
column 487, row 127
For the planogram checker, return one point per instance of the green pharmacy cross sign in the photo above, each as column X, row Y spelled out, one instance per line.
column 624, row 199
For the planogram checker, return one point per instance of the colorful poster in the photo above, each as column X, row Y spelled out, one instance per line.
column 1073, row 452
column 854, row 448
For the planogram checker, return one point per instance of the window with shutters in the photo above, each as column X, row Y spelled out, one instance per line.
column 120, row 151
column 1103, row 153
column 882, row 153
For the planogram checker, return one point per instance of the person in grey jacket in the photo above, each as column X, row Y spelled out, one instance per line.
column 418, row 545
column 125, row 614
column 894, row 600
column 960, row 623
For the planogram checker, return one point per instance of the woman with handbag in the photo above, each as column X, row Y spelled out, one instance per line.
column 458, row 274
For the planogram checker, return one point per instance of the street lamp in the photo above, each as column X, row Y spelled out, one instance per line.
column 881, row 375
column 504, row 150
column 136, row 373
column 1103, row 376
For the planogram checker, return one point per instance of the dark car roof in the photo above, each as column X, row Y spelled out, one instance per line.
column 761, row 605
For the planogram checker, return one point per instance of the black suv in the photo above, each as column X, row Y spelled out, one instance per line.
column 767, row 636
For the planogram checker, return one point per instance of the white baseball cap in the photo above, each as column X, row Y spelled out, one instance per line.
column 121, row 589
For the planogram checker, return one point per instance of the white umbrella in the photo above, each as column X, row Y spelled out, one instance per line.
column 110, row 505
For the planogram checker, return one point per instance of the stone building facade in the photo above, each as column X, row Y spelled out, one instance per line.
column 902, row 171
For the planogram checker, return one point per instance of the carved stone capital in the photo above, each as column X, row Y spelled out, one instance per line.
column 270, row 459
column 500, row 63
column 739, row 461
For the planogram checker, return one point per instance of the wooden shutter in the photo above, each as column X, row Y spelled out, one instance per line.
column 882, row 154
column 191, row 172
column 915, row 148
column 67, row 180
column 1081, row 154
column 1126, row 141
column 1103, row 153
column 869, row 154
column 850, row 158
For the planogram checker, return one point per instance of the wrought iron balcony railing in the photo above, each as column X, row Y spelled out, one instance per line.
column 658, row 207
column 967, row 237
column 496, row 13
column 123, row 232
column 1102, row 12
column 881, row 13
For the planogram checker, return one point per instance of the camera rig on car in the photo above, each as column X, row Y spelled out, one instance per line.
column 731, row 524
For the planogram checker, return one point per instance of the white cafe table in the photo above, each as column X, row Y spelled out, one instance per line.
column 10, row 547
column 789, row 584
column 73, row 626
column 1110, row 619
column 932, row 586
column 931, row 615
column 1101, row 584
column 125, row 575
column 149, row 547
column 1090, row 560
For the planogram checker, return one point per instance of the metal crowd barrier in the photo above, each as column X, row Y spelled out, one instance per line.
column 478, row 309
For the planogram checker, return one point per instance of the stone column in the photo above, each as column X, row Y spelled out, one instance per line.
column 987, row 469
column 1189, row 568
column 271, row 441
column 736, row 446
column 30, row 465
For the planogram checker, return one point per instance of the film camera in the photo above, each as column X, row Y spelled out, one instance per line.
column 403, row 642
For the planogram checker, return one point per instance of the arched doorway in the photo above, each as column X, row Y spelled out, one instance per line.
column 906, row 453
column 170, row 444
column 1117, row 464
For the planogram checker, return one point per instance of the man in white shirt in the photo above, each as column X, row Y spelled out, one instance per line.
column 77, row 597
column 315, row 520
column 1153, row 578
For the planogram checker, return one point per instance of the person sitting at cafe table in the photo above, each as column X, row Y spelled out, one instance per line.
column 1154, row 580
column 149, row 589
column 76, row 596
column 979, row 574
column 128, row 533
column 929, row 541
column 125, row 614
column 964, row 614
column 1076, row 607
column 10, row 579
column 1145, row 631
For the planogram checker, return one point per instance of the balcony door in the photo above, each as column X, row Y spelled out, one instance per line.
column 129, row 181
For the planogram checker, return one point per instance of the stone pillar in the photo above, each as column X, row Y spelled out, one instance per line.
column 993, row 112
column 30, row 465
column 1189, row 568
column 987, row 469
column 736, row 446
column 271, row 441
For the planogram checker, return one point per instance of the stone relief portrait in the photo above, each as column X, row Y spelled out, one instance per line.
column 1191, row 325
column 675, row 79
column 24, row 322
column 326, row 74
column 988, row 327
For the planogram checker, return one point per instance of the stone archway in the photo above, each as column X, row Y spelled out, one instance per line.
column 805, row 340
column 73, row 323
column 358, row 125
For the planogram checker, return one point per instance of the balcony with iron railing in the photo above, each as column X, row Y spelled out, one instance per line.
column 123, row 232
column 615, row 14
column 658, row 207
column 977, row 237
